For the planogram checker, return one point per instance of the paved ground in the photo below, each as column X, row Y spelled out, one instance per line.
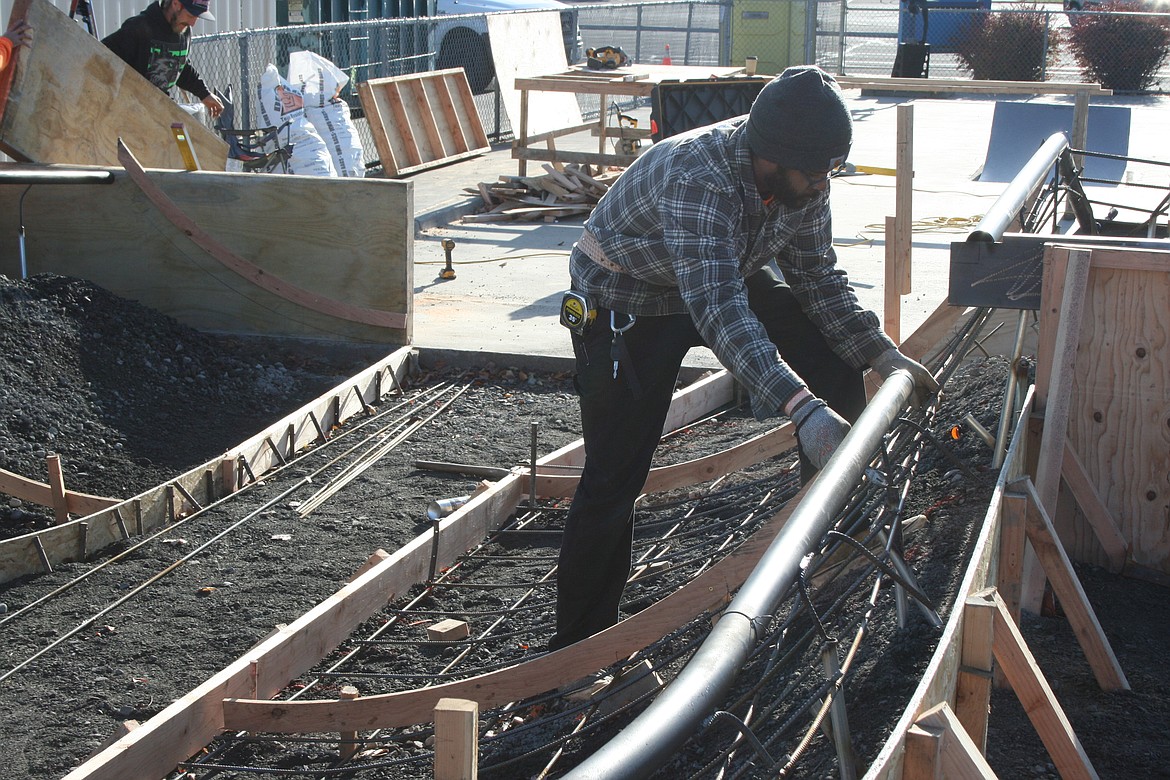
column 509, row 275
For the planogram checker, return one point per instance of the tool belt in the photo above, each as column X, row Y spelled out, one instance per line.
column 589, row 244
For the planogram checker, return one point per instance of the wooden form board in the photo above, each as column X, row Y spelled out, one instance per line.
column 1119, row 405
column 535, row 45
column 72, row 98
column 158, row 506
column 348, row 240
column 190, row 723
column 423, row 120
column 944, row 674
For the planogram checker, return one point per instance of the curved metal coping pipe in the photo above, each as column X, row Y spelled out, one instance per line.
column 1007, row 206
column 703, row 685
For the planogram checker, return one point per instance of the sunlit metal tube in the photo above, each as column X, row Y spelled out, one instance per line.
column 703, row 684
column 1007, row 206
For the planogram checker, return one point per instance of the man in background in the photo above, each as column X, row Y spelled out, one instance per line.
column 157, row 44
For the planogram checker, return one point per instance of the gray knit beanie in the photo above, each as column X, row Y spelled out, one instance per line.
column 800, row 120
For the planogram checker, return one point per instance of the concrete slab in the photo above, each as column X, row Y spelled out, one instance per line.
column 509, row 276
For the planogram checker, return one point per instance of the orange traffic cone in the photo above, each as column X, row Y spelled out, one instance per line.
column 666, row 57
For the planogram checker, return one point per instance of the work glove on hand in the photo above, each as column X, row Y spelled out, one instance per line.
column 924, row 382
column 819, row 430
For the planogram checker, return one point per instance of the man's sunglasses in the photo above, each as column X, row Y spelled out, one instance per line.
column 818, row 177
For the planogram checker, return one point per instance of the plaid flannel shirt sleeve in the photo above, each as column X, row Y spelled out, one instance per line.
column 809, row 265
column 703, row 230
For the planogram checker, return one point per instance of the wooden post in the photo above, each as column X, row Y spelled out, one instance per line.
column 892, row 294
column 348, row 746
column 1013, row 541
column 1034, row 693
column 522, row 168
column 1079, row 139
column 904, row 196
column 1063, row 328
column 57, row 488
column 973, row 688
column 456, row 739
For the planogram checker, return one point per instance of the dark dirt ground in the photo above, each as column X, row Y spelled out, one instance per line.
column 129, row 399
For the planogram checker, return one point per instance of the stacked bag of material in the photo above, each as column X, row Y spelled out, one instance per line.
column 324, row 139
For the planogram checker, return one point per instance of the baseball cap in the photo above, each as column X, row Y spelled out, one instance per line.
column 198, row 8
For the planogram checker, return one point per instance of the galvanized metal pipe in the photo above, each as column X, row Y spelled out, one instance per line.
column 1008, row 205
column 703, row 685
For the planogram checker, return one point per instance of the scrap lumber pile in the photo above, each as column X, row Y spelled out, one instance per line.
column 573, row 190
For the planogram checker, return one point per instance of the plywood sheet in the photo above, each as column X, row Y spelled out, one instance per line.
column 527, row 45
column 1119, row 411
column 71, row 98
column 347, row 239
column 423, row 120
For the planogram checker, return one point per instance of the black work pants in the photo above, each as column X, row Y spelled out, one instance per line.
column 622, row 419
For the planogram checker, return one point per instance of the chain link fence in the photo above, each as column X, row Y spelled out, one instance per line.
column 1125, row 51
column 1008, row 42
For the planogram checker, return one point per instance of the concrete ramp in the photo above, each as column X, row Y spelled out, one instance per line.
column 1018, row 130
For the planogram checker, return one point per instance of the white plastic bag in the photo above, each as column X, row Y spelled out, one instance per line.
column 280, row 102
column 320, row 82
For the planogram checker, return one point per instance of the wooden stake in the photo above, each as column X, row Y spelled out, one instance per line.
column 348, row 747
column 57, row 488
column 1035, row 694
column 973, row 688
column 229, row 474
column 456, row 739
column 1012, row 545
column 892, row 306
column 937, row 746
column 904, row 197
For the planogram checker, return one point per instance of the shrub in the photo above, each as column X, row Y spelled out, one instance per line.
column 1010, row 45
column 1122, row 51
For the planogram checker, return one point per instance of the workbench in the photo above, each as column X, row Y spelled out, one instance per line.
column 629, row 81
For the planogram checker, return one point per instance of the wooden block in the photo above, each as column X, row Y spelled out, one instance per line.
column 954, row 754
column 449, row 630
column 643, row 681
column 456, row 739
column 924, row 749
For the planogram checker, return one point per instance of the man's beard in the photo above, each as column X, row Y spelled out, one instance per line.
column 784, row 193
column 172, row 17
